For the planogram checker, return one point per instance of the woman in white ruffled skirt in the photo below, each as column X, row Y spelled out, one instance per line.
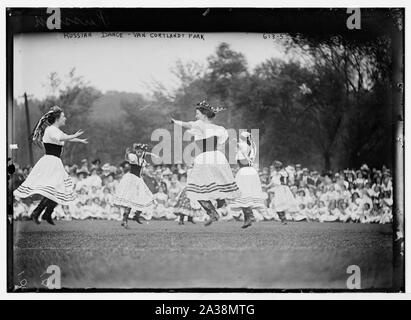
column 48, row 178
column 284, row 199
column 211, row 177
column 132, row 193
column 248, row 181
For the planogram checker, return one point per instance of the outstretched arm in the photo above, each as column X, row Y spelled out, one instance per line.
column 85, row 141
column 73, row 137
column 186, row 125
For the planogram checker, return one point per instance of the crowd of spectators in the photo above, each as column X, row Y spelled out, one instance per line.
column 364, row 195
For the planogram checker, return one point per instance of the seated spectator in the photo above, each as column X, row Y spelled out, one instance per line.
column 386, row 215
column 312, row 211
column 301, row 214
column 354, row 208
column 333, row 213
column 94, row 179
column 322, row 210
column 161, row 210
column 20, row 211
column 343, row 207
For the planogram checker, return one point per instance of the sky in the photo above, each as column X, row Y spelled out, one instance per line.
column 128, row 63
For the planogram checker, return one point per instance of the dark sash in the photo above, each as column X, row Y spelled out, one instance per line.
column 53, row 149
column 209, row 144
column 135, row 169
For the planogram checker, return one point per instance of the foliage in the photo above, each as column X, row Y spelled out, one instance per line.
column 329, row 109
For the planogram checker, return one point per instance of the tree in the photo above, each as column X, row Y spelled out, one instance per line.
column 76, row 98
column 342, row 109
column 226, row 72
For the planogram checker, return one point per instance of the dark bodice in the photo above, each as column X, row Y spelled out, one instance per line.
column 209, row 144
column 135, row 169
column 53, row 149
column 243, row 163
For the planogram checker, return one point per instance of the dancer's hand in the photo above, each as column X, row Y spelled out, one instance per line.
column 78, row 133
column 83, row 141
column 172, row 120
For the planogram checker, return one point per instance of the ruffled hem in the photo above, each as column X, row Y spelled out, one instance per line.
column 131, row 204
column 247, row 202
column 49, row 192
column 213, row 195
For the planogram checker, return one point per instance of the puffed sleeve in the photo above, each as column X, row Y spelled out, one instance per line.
column 222, row 135
column 132, row 158
column 196, row 128
column 53, row 134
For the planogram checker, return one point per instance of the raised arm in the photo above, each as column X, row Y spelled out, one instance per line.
column 126, row 156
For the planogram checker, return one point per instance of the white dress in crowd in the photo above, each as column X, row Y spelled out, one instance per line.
column 48, row 177
column 132, row 192
column 249, row 183
column 211, row 177
column 283, row 198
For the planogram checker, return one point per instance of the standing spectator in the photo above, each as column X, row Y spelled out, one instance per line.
column 84, row 165
column 174, row 190
column 298, row 173
column 166, row 176
column 82, row 178
column 181, row 170
column 150, row 180
column 96, row 164
column 359, row 182
column 291, row 174
column 314, row 179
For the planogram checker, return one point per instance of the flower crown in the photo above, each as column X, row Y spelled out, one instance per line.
column 204, row 104
column 140, row 146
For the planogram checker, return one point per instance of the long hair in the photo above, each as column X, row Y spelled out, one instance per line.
column 47, row 119
column 208, row 113
column 253, row 148
column 252, row 153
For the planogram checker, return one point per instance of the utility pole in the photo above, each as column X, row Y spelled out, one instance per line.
column 26, row 106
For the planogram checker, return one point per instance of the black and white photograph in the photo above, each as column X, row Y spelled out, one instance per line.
column 205, row 149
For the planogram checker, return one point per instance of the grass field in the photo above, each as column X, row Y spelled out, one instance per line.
column 162, row 254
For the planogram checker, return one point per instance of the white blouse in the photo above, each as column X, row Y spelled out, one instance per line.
column 52, row 134
column 203, row 130
column 243, row 151
column 133, row 159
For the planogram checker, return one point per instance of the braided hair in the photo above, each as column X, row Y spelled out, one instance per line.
column 46, row 120
column 253, row 148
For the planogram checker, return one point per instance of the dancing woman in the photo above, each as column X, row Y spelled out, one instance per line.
column 283, row 198
column 248, row 181
column 48, row 177
column 132, row 192
column 211, row 177
column 186, row 208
